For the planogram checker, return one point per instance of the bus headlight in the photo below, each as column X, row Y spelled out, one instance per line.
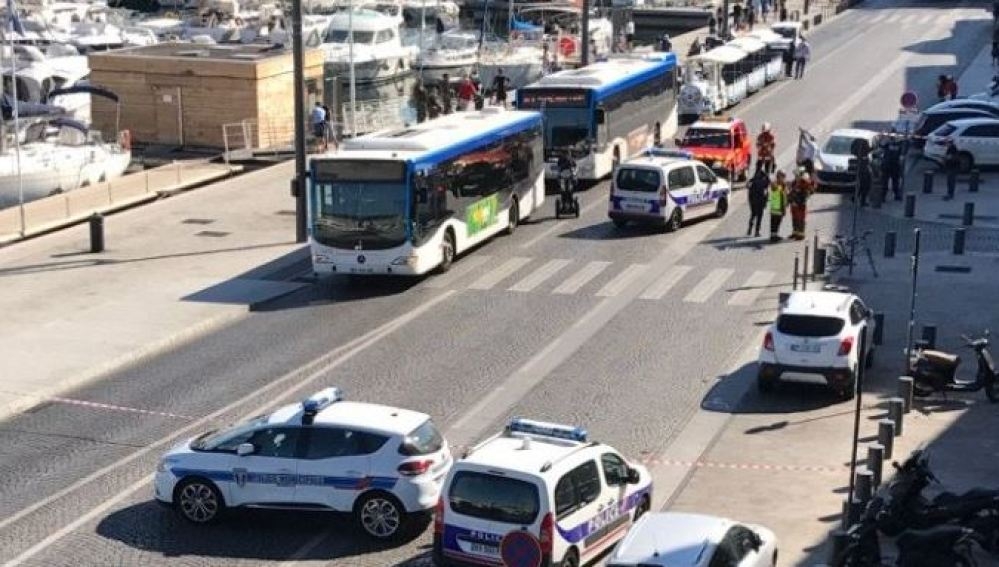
column 405, row 261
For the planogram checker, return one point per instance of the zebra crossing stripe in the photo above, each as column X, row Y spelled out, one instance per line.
column 580, row 278
column 499, row 273
column 661, row 287
column 460, row 268
column 539, row 276
column 750, row 290
column 893, row 19
column 878, row 18
column 709, row 285
column 621, row 281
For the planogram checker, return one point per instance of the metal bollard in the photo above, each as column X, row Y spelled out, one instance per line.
column 819, row 263
column 969, row 214
column 951, row 184
column 876, row 462
column 891, row 237
column 794, row 282
column 863, row 485
column 973, row 181
column 782, row 298
column 96, row 233
column 851, row 513
column 886, row 436
column 840, row 541
column 960, row 237
column 910, row 205
column 927, row 182
column 879, row 328
column 895, row 414
column 905, row 384
column 930, row 336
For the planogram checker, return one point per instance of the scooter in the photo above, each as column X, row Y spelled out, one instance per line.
column 566, row 203
column 935, row 371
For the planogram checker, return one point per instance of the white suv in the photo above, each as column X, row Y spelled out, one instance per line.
column 821, row 334
column 383, row 464
column 537, row 494
column 976, row 140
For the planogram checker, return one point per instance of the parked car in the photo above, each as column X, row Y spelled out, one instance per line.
column 833, row 169
column 990, row 106
column 976, row 139
column 930, row 120
column 673, row 539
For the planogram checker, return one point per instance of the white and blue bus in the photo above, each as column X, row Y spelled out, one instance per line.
column 408, row 201
column 606, row 112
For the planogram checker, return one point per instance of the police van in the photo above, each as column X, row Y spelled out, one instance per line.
column 384, row 464
column 537, row 493
column 666, row 187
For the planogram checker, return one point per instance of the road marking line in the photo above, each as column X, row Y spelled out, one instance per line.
column 894, row 18
column 621, row 281
column 752, row 288
column 98, row 405
column 459, row 269
column 558, row 224
column 313, row 370
column 539, row 276
column 876, row 19
column 580, row 278
column 709, row 285
column 662, row 286
column 499, row 273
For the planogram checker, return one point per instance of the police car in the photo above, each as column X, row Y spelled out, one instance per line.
column 665, row 187
column 537, row 494
column 383, row 464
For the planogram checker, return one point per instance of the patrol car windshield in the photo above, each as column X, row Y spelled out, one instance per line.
column 809, row 325
column 360, row 203
column 423, row 440
column 229, row 438
column 838, row 146
column 707, row 138
column 493, row 497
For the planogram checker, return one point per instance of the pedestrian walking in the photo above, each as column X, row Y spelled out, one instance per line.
column 789, row 60
column 758, row 188
column 499, row 87
column 765, row 10
column 434, row 106
column 891, row 164
column 737, row 16
column 665, row 45
column 766, row 145
column 801, row 189
column 783, row 11
column 802, row 53
column 330, row 134
column 777, row 203
column 319, row 125
column 629, row 34
column 446, row 94
column 466, row 93
column 750, row 16
column 420, row 100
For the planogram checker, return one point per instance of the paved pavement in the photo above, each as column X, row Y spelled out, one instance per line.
column 649, row 353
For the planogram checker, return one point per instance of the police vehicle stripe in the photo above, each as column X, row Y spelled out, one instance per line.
column 251, row 477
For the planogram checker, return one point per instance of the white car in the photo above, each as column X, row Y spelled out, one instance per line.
column 818, row 334
column 665, row 187
column 790, row 31
column 540, row 491
column 832, row 161
column 976, row 140
column 673, row 539
column 383, row 464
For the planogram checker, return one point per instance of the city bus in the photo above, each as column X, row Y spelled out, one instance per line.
column 408, row 201
column 605, row 112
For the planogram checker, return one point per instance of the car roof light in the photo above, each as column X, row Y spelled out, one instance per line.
column 668, row 153
column 318, row 402
column 546, row 429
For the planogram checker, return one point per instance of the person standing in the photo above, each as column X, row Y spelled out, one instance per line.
column 758, row 187
column 737, row 17
column 891, row 165
column 665, row 45
column 951, row 166
column 712, row 25
column 865, row 178
column 466, row 93
column 777, row 203
column 695, row 48
column 766, row 145
column 420, row 100
column 801, row 190
column 446, row 94
column 499, row 87
column 319, row 125
column 783, row 11
column 750, row 16
column 433, row 103
column 629, row 34
column 330, row 130
column 764, row 10
column 802, row 53
column 789, row 60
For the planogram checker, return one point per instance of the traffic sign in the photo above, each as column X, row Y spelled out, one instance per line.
column 909, row 100
column 520, row 549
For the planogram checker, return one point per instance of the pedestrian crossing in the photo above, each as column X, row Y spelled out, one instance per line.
column 602, row 279
column 901, row 18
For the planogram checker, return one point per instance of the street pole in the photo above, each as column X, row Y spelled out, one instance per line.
column 723, row 21
column 298, row 76
column 856, row 208
column 856, row 417
column 912, row 300
column 584, row 37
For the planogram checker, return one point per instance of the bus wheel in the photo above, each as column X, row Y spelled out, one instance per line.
column 511, row 226
column 447, row 252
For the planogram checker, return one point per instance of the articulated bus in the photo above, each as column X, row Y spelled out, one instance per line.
column 605, row 112
column 408, row 201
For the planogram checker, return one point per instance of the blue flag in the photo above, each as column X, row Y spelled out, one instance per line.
column 15, row 22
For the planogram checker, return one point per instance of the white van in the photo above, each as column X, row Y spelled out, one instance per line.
column 538, row 493
column 665, row 187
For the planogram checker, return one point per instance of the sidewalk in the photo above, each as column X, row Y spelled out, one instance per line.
column 783, row 459
column 172, row 270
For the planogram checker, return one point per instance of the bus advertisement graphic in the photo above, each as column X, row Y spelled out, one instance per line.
column 481, row 214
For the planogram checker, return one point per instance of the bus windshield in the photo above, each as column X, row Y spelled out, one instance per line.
column 360, row 203
column 566, row 127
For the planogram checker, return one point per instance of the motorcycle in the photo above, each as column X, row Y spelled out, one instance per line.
column 936, row 371
column 905, row 507
column 566, row 203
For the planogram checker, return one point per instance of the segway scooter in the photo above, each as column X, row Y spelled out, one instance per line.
column 566, row 203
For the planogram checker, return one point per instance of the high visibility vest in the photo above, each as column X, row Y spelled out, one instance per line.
column 778, row 201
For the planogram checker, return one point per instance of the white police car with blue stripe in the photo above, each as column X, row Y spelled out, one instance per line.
column 665, row 187
column 383, row 464
column 537, row 494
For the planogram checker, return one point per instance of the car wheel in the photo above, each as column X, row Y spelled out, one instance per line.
column 380, row 515
column 765, row 384
column 198, row 501
column 447, row 252
column 721, row 208
column 849, row 390
column 965, row 162
column 571, row 559
column 514, row 214
column 675, row 221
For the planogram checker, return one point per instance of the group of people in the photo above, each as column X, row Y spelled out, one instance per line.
column 322, row 126
column 775, row 195
column 745, row 18
column 434, row 100
column 796, row 57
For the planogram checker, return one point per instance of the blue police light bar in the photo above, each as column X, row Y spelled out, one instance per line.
column 546, row 429
column 666, row 153
column 322, row 399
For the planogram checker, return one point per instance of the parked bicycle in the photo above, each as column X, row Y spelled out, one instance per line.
column 838, row 252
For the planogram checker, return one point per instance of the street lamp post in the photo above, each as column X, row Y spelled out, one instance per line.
column 298, row 76
column 584, row 36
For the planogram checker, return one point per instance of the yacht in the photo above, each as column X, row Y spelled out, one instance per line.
column 561, row 24
column 453, row 52
column 38, row 75
column 378, row 52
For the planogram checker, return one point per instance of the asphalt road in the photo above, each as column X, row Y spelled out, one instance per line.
column 630, row 352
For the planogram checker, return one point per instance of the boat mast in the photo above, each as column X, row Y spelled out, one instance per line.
column 353, row 77
column 12, row 23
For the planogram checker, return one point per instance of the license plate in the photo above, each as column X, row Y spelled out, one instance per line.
column 805, row 348
column 483, row 548
column 635, row 206
column 362, row 270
